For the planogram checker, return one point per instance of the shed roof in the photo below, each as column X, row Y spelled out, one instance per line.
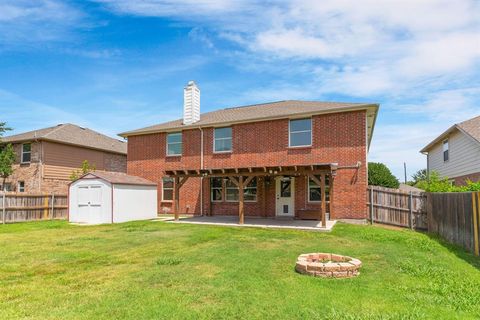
column 469, row 127
column 261, row 112
column 118, row 178
column 72, row 134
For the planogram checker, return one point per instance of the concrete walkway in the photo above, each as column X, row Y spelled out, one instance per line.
column 280, row 223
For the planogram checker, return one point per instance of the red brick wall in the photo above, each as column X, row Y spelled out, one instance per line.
column 462, row 180
column 339, row 138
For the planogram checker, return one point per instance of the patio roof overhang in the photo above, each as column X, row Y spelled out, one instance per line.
column 242, row 176
column 290, row 170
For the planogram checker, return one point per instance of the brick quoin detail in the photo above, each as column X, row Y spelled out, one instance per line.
column 337, row 138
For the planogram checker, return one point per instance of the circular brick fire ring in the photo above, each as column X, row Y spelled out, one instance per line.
column 328, row 265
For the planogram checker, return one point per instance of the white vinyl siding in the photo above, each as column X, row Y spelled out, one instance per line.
column 464, row 156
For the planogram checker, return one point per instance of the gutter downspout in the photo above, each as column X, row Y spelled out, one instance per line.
column 201, row 167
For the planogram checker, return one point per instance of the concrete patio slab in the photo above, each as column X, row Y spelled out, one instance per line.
column 278, row 223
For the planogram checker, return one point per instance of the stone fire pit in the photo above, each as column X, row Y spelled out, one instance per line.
column 328, row 265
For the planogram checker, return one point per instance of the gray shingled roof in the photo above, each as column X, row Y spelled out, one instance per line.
column 470, row 127
column 119, row 178
column 72, row 134
column 257, row 112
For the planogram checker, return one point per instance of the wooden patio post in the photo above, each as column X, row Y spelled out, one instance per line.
column 330, row 193
column 176, row 187
column 3, row 207
column 241, row 210
column 322, row 210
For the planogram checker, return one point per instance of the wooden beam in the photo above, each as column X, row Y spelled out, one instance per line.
column 176, row 188
column 264, row 196
column 322, row 210
column 248, row 180
column 318, row 182
column 241, row 209
column 331, row 178
column 234, row 180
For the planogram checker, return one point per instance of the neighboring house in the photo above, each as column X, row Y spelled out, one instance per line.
column 456, row 152
column 279, row 151
column 47, row 157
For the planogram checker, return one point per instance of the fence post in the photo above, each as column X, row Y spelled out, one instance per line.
column 410, row 207
column 3, row 208
column 371, row 205
column 53, row 206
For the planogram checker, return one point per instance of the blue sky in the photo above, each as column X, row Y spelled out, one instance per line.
column 118, row 65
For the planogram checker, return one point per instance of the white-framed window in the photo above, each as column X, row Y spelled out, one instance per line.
column 21, row 186
column 26, row 152
column 167, row 189
column 446, row 155
column 315, row 191
column 249, row 192
column 216, row 189
column 300, row 133
column 231, row 191
column 174, row 144
column 222, row 139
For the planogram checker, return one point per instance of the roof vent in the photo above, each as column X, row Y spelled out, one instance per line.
column 191, row 103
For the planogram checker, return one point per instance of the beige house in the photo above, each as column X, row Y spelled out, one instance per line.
column 47, row 157
column 456, row 152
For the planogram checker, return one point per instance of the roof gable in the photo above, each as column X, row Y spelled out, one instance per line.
column 262, row 112
column 117, row 178
column 469, row 127
column 74, row 135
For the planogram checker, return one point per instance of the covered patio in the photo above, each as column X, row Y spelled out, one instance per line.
column 232, row 221
column 242, row 176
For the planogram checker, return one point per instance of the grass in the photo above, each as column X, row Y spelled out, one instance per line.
column 156, row 270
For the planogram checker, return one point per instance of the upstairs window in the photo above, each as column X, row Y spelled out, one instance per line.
column 445, row 150
column 167, row 189
column 26, row 152
column 174, row 144
column 300, row 134
column 222, row 140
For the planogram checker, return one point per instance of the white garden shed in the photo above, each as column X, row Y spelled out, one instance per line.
column 110, row 197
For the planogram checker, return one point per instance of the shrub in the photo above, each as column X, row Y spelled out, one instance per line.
column 438, row 184
column 380, row 175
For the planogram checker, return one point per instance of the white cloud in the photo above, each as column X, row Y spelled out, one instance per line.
column 24, row 22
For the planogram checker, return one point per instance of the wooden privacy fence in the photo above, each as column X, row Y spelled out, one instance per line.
column 455, row 217
column 397, row 207
column 15, row 207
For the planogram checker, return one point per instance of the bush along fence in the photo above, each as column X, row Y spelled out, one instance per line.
column 16, row 207
column 397, row 207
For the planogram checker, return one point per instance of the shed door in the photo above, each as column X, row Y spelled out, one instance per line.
column 90, row 203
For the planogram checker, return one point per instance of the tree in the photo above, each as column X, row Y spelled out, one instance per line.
column 380, row 175
column 3, row 128
column 7, row 158
column 420, row 175
column 86, row 168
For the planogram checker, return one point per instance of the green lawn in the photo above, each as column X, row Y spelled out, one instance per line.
column 142, row 270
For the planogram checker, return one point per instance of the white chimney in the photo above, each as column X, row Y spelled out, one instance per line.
column 191, row 103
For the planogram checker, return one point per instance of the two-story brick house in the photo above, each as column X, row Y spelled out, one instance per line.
column 45, row 158
column 286, row 156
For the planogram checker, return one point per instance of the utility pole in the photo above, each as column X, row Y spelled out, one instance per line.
column 405, row 171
